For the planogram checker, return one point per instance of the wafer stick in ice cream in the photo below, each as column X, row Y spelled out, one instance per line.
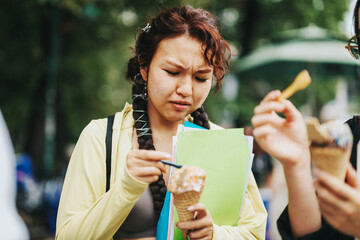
column 301, row 81
column 186, row 185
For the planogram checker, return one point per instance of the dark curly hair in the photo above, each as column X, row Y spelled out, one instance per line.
column 170, row 23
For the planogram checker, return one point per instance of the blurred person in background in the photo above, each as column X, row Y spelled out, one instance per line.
column 12, row 226
column 177, row 57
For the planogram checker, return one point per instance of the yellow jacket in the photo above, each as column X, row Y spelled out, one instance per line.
column 87, row 212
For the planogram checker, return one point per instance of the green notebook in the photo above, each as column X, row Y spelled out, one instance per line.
column 226, row 157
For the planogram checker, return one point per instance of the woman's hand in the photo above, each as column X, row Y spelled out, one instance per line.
column 202, row 226
column 284, row 138
column 145, row 165
column 339, row 201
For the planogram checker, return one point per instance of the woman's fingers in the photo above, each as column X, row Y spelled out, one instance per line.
column 150, row 155
column 203, row 219
column 269, row 107
column 145, row 165
column 138, row 163
column 149, row 179
column 148, row 171
column 326, row 197
column 263, row 131
column 194, row 224
column 330, row 215
column 333, row 185
column 200, row 234
column 268, row 118
column 351, row 176
column 146, row 174
column 290, row 111
column 148, row 158
column 156, row 164
column 200, row 208
column 273, row 95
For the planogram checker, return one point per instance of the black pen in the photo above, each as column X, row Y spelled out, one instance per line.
column 171, row 164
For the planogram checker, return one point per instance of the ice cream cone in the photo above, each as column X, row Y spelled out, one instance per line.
column 182, row 202
column 186, row 185
column 331, row 160
column 330, row 147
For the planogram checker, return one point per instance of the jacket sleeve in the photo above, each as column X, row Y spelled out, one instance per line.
column 85, row 210
column 252, row 219
column 325, row 232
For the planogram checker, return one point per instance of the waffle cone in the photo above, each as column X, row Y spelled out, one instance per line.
column 331, row 160
column 182, row 202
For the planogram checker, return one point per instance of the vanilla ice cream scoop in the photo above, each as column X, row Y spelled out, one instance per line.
column 186, row 179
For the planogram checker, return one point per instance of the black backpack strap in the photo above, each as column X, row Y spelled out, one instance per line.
column 108, row 143
column 354, row 124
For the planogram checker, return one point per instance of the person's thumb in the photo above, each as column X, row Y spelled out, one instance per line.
column 351, row 177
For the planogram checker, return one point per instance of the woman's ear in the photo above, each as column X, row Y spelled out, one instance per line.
column 143, row 72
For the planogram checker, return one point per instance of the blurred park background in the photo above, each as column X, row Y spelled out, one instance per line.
column 62, row 64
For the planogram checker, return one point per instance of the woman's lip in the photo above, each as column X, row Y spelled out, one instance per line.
column 180, row 105
column 180, row 102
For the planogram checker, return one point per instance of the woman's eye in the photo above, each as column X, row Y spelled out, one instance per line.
column 201, row 79
column 171, row 73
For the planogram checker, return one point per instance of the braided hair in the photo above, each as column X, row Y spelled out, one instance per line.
column 172, row 23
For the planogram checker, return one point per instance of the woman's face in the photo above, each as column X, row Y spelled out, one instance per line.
column 179, row 79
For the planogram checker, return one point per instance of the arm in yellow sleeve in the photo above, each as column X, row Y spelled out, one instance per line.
column 252, row 219
column 85, row 210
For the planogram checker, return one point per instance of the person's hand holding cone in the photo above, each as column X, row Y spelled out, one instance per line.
column 186, row 185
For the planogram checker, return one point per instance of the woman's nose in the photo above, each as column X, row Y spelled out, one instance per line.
column 184, row 86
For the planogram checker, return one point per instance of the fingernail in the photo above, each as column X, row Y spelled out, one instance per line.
column 191, row 208
column 167, row 155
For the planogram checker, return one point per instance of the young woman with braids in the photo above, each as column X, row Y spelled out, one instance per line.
column 177, row 57
column 330, row 208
